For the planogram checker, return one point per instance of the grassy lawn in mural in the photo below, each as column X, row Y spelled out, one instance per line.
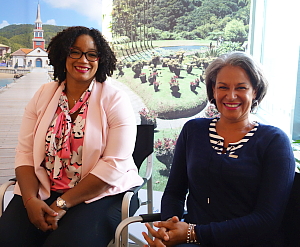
column 164, row 100
column 172, row 94
column 161, row 101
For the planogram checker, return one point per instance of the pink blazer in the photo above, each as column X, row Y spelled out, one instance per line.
column 108, row 142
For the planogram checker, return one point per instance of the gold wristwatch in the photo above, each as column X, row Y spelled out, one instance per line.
column 61, row 203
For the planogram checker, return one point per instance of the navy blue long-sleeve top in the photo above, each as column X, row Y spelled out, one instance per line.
column 234, row 200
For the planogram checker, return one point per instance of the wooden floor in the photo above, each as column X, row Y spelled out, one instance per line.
column 13, row 100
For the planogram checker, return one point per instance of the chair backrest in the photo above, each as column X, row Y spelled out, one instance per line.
column 291, row 220
column 143, row 144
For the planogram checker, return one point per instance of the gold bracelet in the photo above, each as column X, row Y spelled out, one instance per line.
column 191, row 235
column 189, row 231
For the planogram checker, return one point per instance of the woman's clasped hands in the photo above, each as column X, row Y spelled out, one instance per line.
column 169, row 233
column 44, row 217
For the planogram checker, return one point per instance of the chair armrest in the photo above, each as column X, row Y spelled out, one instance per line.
column 141, row 218
column 3, row 189
column 122, row 225
column 150, row 217
column 137, row 188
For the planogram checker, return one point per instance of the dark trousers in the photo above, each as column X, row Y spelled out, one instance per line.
column 90, row 224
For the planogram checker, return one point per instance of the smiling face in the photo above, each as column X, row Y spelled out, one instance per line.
column 82, row 70
column 234, row 93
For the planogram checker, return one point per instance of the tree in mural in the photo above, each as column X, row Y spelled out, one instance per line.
column 235, row 31
column 131, row 19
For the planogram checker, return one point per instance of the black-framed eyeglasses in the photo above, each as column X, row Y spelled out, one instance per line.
column 91, row 56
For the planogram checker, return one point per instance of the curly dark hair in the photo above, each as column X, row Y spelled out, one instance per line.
column 59, row 48
column 246, row 62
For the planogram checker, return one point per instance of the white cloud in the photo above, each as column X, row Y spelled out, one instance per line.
column 51, row 22
column 4, row 24
column 89, row 8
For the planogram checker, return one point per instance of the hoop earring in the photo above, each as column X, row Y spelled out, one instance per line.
column 254, row 107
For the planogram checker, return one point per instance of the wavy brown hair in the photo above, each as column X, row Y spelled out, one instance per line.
column 244, row 61
column 59, row 48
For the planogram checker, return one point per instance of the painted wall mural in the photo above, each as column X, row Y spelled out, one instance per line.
column 163, row 49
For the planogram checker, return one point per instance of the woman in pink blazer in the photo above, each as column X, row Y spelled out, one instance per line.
column 74, row 155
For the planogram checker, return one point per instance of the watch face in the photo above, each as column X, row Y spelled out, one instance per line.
column 60, row 203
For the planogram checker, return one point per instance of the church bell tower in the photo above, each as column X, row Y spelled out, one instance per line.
column 38, row 32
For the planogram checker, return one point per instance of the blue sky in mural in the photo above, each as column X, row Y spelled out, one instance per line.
column 55, row 12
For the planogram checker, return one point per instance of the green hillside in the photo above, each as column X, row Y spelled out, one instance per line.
column 20, row 36
column 181, row 19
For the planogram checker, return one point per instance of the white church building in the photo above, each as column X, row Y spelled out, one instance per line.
column 36, row 57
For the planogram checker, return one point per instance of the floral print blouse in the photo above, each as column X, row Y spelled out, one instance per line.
column 64, row 141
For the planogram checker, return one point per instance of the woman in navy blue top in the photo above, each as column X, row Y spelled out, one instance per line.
column 234, row 174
